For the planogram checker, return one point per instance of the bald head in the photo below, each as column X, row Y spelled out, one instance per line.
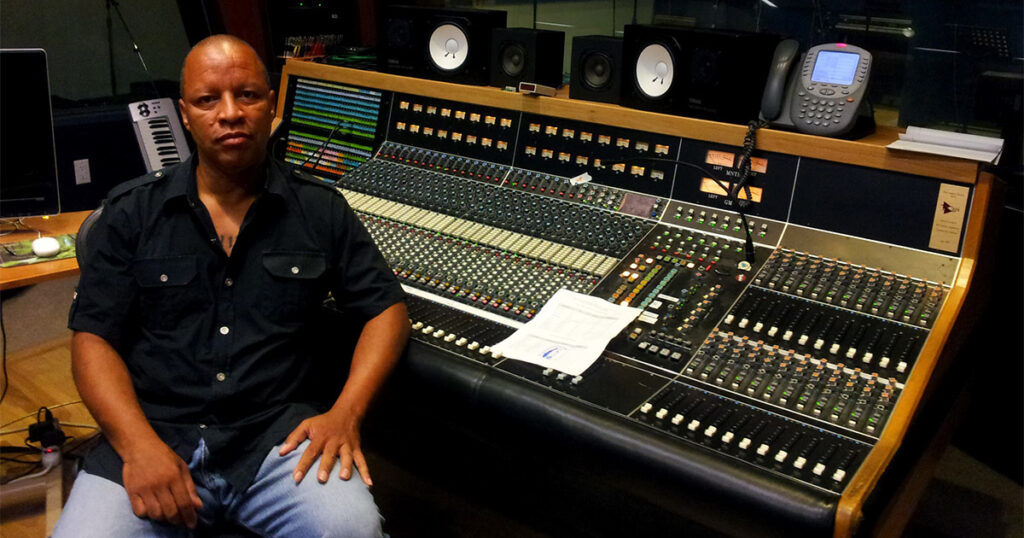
column 227, row 105
column 227, row 44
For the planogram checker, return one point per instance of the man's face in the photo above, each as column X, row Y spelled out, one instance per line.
column 227, row 106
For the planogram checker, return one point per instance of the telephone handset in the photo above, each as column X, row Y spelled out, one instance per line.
column 820, row 93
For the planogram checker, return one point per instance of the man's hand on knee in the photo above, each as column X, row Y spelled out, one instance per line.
column 160, row 486
column 332, row 436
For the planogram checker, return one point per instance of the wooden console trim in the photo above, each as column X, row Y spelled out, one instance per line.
column 929, row 365
column 869, row 151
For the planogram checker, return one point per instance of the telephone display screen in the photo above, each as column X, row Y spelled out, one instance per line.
column 832, row 67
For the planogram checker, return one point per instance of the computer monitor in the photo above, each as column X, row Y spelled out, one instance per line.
column 28, row 161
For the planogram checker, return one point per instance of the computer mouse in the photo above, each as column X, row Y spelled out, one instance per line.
column 45, row 247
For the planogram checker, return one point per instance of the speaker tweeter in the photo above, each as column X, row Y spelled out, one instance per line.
column 700, row 73
column 451, row 44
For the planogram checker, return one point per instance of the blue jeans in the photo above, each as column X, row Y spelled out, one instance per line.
column 274, row 505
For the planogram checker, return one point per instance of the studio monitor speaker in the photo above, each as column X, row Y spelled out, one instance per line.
column 451, row 44
column 596, row 68
column 526, row 55
column 701, row 73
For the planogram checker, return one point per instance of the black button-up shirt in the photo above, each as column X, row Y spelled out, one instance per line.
column 217, row 346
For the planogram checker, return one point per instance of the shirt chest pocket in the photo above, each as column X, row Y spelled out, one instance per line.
column 293, row 285
column 169, row 290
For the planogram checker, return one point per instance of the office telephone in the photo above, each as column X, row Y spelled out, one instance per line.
column 821, row 92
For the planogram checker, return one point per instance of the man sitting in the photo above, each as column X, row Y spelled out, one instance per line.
column 191, row 333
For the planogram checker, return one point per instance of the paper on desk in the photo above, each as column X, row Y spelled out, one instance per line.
column 936, row 142
column 569, row 333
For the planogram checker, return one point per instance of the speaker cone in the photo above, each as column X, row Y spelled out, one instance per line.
column 597, row 71
column 513, row 59
column 654, row 70
column 449, row 47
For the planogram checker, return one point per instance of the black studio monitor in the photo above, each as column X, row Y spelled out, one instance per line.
column 701, row 73
column 526, row 55
column 596, row 68
column 450, row 44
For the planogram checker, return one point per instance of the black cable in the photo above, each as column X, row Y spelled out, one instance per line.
column 24, row 474
column 749, row 142
column 323, row 147
column 17, row 449
column 16, row 460
column 110, row 51
column 135, row 46
column 743, row 184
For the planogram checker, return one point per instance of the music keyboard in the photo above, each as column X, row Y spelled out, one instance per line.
column 159, row 134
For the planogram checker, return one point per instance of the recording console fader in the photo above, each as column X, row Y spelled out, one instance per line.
column 778, row 367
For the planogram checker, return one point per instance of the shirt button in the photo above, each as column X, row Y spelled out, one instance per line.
column 228, row 282
column 295, row 270
column 163, row 278
column 224, row 330
column 221, row 376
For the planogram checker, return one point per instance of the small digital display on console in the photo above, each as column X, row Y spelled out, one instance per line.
column 710, row 186
column 832, row 67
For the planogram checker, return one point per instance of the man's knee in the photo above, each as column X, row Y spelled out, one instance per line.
column 277, row 506
column 338, row 508
column 345, row 521
column 328, row 521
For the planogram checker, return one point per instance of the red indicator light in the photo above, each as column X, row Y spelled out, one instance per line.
column 841, row 45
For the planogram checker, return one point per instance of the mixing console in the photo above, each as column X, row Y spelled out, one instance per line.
column 770, row 441
column 461, row 188
column 785, row 364
column 684, row 281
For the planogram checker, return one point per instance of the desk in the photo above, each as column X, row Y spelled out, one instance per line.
column 24, row 275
